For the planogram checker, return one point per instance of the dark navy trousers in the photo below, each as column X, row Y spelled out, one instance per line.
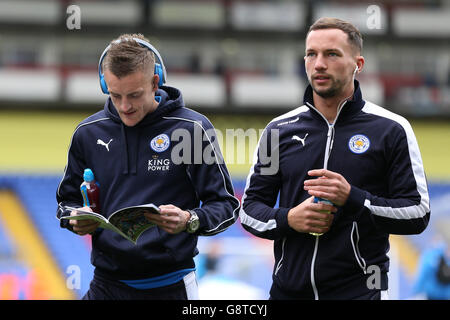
column 102, row 288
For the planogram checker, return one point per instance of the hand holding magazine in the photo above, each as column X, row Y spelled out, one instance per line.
column 129, row 222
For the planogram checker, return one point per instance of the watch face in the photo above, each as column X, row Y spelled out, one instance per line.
column 193, row 225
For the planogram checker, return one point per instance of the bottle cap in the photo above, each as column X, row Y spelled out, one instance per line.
column 88, row 175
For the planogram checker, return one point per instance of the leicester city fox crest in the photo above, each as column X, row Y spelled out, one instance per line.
column 359, row 143
column 160, row 143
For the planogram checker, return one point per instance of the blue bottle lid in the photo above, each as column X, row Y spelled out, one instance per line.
column 88, row 175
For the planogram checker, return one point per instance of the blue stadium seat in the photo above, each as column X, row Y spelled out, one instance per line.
column 6, row 246
column 38, row 196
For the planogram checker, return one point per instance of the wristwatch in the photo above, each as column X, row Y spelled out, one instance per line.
column 193, row 223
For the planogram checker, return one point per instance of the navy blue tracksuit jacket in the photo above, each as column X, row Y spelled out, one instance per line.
column 376, row 151
column 141, row 166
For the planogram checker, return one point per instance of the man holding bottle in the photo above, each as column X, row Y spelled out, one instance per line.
column 337, row 147
column 121, row 144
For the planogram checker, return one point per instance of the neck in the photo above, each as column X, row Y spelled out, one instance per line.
column 329, row 107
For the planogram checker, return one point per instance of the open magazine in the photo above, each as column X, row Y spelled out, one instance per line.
column 129, row 222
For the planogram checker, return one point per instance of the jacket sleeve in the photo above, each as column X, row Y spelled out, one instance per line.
column 68, row 191
column 406, row 209
column 258, row 215
column 219, row 207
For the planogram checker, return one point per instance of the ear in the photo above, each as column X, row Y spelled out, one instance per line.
column 360, row 63
column 155, row 81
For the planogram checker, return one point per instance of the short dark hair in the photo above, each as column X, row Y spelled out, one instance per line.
column 128, row 56
column 354, row 35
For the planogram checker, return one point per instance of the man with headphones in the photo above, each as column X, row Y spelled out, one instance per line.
column 142, row 121
column 356, row 177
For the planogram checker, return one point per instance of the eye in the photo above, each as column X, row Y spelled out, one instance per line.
column 310, row 54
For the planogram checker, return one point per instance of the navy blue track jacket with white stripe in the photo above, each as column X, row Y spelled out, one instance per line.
column 132, row 172
column 376, row 151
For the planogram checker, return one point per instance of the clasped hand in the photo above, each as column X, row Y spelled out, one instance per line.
column 315, row 217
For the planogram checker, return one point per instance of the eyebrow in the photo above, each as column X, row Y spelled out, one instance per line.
column 129, row 94
column 326, row 50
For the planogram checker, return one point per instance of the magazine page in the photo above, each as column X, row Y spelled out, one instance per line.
column 132, row 221
column 84, row 215
column 129, row 222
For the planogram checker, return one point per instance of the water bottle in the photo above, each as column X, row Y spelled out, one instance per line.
column 90, row 191
column 321, row 200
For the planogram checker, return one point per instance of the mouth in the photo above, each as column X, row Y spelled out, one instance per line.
column 128, row 113
column 321, row 78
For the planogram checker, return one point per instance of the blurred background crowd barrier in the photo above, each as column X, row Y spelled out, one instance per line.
column 238, row 61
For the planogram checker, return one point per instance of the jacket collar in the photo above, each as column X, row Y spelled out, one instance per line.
column 352, row 107
column 169, row 99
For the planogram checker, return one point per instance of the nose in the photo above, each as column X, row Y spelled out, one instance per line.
column 125, row 105
column 320, row 64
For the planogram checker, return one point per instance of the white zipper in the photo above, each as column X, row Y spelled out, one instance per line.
column 330, row 133
column 357, row 253
column 329, row 145
column 328, row 148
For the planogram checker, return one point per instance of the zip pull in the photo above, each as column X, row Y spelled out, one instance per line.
column 330, row 129
column 329, row 145
column 332, row 137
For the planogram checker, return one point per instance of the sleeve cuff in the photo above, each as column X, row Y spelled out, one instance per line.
column 282, row 220
column 64, row 223
column 355, row 199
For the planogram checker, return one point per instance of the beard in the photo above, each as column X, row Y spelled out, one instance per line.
column 335, row 88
